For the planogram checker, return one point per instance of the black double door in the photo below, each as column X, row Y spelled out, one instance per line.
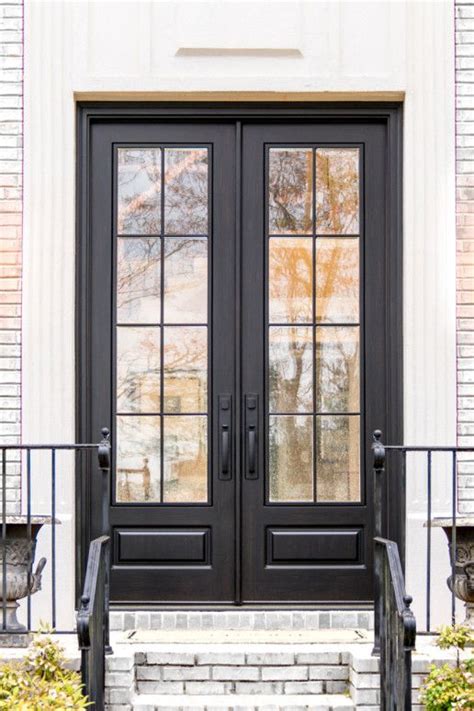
column 236, row 341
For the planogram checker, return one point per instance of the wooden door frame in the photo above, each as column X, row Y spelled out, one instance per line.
column 390, row 114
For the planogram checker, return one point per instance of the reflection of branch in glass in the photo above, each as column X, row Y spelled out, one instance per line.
column 185, row 364
column 337, row 191
column 290, row 285
column 139, row 190
column 290, row 191
column 186, row 187
column 138, row 273
column 138, row 370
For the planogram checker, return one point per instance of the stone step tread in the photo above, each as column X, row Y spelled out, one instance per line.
column 242, row 702
column 225, row 636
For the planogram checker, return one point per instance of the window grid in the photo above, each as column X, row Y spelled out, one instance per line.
column 315, row 236
column 163, row 412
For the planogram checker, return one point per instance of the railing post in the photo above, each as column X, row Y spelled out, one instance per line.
column 378, row 451
column 104, row 465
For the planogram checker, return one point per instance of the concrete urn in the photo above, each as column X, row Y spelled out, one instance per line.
column 462, row 582
column 18, row 549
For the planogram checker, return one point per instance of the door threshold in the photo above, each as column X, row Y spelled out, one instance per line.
column 235, row 607
column 242, row 619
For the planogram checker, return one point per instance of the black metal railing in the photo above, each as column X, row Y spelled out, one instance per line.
column 431, row 466
column 93, row 621
column 42, row 469
column 397, row 629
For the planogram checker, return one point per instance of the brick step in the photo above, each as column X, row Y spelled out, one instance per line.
column 245, row 702
column 236, row 669
column 149, row 676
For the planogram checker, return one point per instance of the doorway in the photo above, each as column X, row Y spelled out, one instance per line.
column 239, row 335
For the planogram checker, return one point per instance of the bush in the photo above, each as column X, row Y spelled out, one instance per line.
column 448, row 688
column 41, row 680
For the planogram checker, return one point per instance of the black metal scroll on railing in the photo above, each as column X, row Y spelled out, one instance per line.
column 92, row 621
column 397, row 629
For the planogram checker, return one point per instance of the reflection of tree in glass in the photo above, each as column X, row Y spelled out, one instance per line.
column 138, row 280
column 291, row 458
column 138, row 369
column 186, row 189
column 290, row 191
column 139, row 190
column 185, row 366
column 337, row 191
column 138, row 458
column 185, row 280
column 337, row 280
column 185, row 458
column 338, row 458
column 291, row 369
column 337, row 369
column 290, row 281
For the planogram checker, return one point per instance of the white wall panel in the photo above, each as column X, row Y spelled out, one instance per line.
column 144, row 48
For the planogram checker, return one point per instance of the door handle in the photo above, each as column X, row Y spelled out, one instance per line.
column 225, row 447
column 225, row 437
column 252, row 447
column 251, row 427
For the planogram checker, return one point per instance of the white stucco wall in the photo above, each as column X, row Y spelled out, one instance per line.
column 318, row 49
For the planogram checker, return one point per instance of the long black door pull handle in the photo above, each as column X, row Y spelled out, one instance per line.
column 251, row 430
column 252, row 445
column 225, row 435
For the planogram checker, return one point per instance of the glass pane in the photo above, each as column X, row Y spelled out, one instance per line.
column 290, row 280
column 338, row 458
column 337, row 369
column 138, row 458
column 138, row 280
column 138, row 369
column 337, row 191
column 337, row 280
column 291, row 458
column 185, row 458
column 139, row 191
column 291, row 369
column 291, row 191
column 185, row 369
column 185, row 280
column 186, row 185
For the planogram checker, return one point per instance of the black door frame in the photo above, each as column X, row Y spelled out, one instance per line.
column 388, row 114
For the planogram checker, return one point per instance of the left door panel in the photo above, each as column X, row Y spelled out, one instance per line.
column 158, row 335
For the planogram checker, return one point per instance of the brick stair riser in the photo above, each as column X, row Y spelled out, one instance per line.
column 242, row 673
column 236, row 673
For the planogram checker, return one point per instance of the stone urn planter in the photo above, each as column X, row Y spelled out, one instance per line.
column 463, row 583
column 19, row 552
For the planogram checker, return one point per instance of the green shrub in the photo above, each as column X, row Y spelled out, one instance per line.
column 41, row 680
column 449, row 688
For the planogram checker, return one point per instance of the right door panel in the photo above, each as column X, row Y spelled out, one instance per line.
column 313, row 326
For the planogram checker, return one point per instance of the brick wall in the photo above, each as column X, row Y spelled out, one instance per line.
column 11, row 132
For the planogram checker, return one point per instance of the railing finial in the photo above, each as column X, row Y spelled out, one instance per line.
column 407, row 599
column 378, row 450
column 104, row 450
